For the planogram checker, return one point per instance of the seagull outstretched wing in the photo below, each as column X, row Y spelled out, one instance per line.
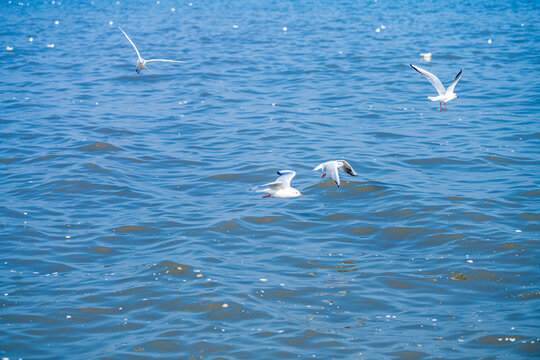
column 431, row 78
column 139, row 55
column 453, row 84
column 165, row 60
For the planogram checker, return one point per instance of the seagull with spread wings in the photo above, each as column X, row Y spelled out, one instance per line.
column 331, row 167
column 141, row 63
column 282, row 186
column 445, row 95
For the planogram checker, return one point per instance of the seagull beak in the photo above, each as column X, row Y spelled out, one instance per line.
column 301, row 195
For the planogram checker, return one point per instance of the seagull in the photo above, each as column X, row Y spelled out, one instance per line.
column 444, row 95
column 282, row 186
column 141, row 63
column 426, row 56
column 332, row 167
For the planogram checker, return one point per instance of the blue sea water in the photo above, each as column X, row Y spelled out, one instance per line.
column 129, row 224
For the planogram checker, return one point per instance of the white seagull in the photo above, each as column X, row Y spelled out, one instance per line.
column 141, row 63
column 282, row 186
column 332, row 167
column 426, row 56
column 444, row 95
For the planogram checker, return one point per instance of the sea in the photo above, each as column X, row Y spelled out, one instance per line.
column 130, row 222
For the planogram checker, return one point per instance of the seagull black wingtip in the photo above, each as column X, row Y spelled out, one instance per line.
column 414, row 67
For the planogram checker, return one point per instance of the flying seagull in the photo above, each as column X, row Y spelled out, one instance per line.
column 444, row 95
column 331, row 167
column 141, row 63
column 282, row 186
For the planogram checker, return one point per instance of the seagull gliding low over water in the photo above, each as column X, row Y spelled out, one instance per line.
column 444, row 95
column 141, row 63
column 282, row 186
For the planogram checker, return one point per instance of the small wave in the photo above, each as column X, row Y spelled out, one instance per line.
column 263, row 219
column 363, row 230
column 132, row 159
column 387, row 135
column 102, row 250
column 521, row 137
column 9, row 160
column 534, row 294
column 230, row 227
column 99, row 146
column 500, row 339
column 98, row 311
column 438, row 161
column 402, row 233
column 42, row 158
column 114, row 131
column 337, row 217
column 171, row 268
column 225, row 177
column 134, row 229
column 532, row 193
column 509, row 160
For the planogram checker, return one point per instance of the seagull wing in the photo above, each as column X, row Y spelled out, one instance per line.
column 322, row 166
column 165, row 60
column 432, row 79
column 273, row 186
column 453, row 84
column 139, row 55
column 332, row 169
column 285, row 177
column 348, row 168
column 319, row 167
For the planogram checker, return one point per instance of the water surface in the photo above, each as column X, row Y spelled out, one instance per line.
column 129, row 223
